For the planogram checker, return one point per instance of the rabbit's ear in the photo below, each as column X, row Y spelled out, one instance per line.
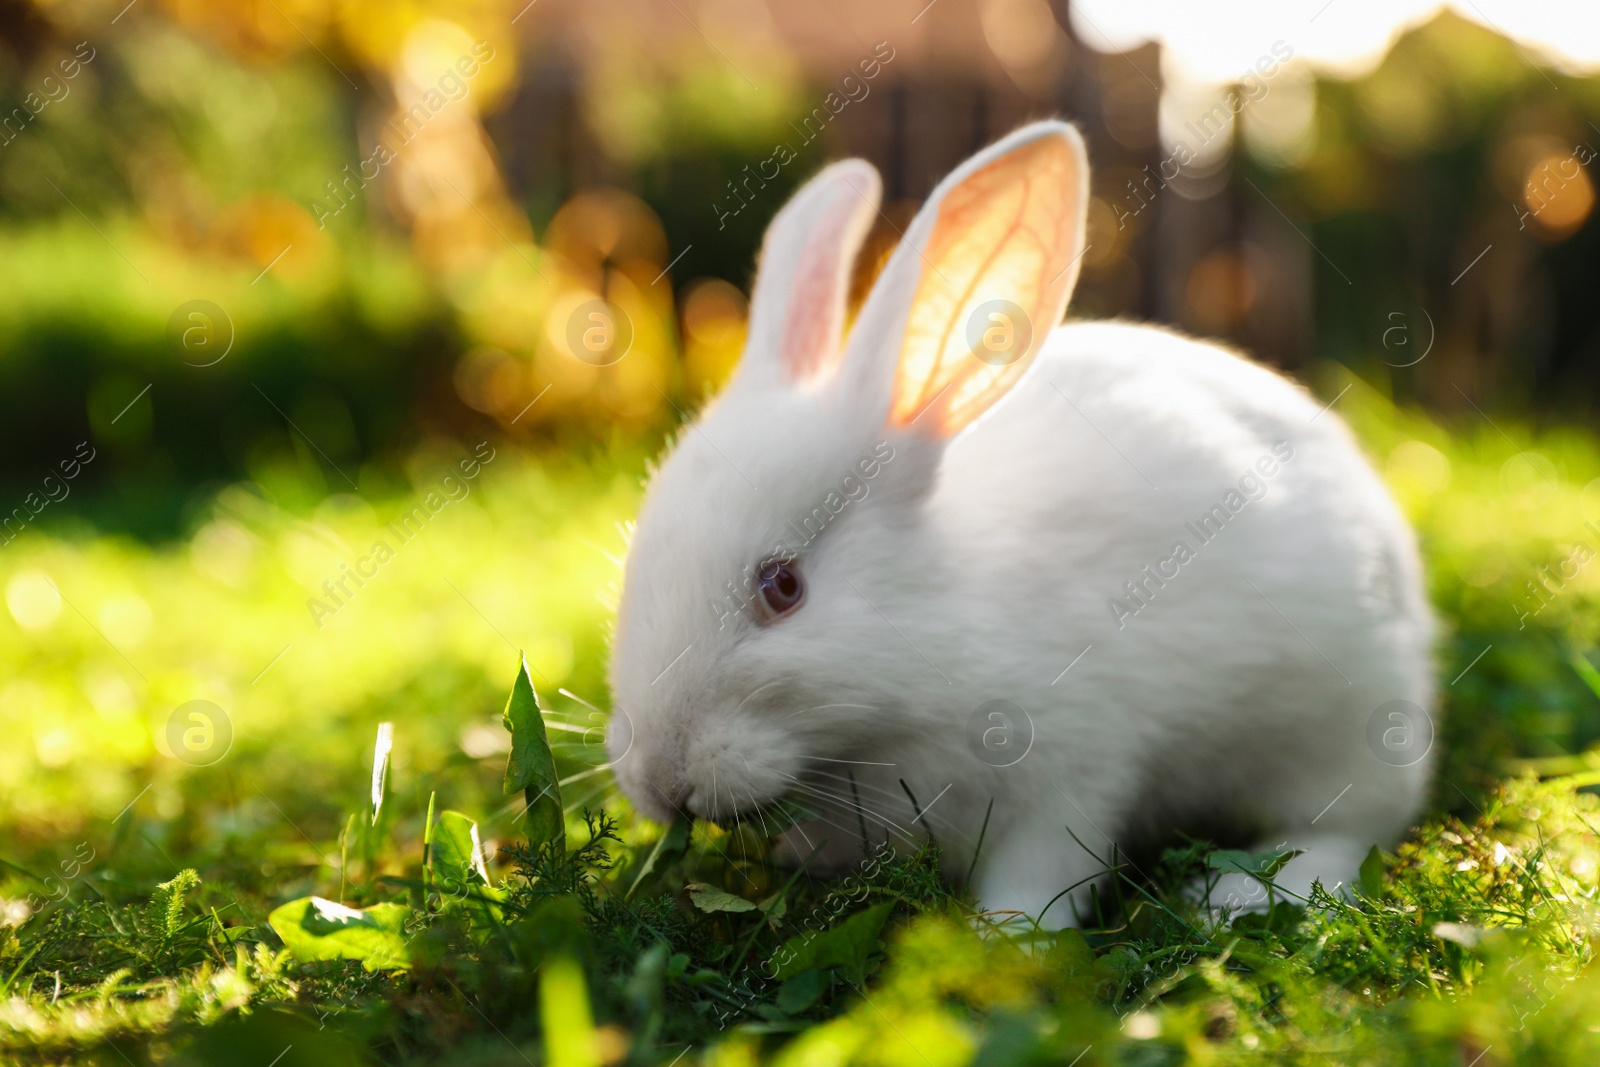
column 983, row 275
column 797, row 313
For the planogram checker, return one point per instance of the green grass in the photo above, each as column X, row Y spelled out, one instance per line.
column 155, row 912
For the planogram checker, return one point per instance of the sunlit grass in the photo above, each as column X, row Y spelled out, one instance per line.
column 1474, row 938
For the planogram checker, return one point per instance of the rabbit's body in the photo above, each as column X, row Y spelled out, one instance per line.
column 1204, row 707
column 1188, row 590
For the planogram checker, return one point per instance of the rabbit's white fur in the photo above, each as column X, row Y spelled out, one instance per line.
column 1237, row 691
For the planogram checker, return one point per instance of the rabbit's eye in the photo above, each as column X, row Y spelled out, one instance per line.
column 780, row 588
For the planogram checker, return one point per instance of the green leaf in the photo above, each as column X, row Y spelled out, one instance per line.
column 427, row 846
column 644, row 992
column 775, row 907
column 1586, row 671
column 457, row 854
column 381, row 749
column 847, row 946
column 710, row 899
column 564, row 1011
column 531, row 766
column 1072, row 960
column 1371, row 876
column 1261, row 865
column 460, row 874
column 1010, row 1038
column 669, row 849
column 316, row 929
column 802, row 991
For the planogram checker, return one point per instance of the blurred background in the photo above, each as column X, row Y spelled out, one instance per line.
column 272, row 270
column 390, row 248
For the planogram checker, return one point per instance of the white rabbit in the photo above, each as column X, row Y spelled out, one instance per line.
column 863, row 543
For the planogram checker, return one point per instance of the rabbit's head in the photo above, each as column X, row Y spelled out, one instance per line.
column 782, row 550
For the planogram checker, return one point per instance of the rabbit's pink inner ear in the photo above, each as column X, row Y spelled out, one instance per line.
column 997, row 272
column 811, row 345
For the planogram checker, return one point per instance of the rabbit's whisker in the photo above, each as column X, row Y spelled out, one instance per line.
column 603, row 552
column 845, row 802
column 828, row 822
column 797, row 828
column 945, row 827
column 755, row 807
column 569, row 779
column 757, row 689
column 824, row 707
column 551, row 723
column 889, row 833
column 822, row 818
column 857, row 762
column 890, row 795
column 759, row 814
column 578, row 805
column 573, row 696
